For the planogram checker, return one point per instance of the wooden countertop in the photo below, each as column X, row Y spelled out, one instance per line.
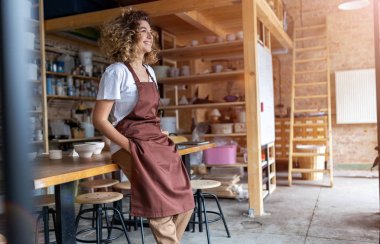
column 54, row 172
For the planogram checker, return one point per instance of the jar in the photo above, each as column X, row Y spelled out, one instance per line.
column 70, row 91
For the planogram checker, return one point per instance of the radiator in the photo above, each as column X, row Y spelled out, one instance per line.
column 355, row 96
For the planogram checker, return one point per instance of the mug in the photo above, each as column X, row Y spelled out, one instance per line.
column 55, row 154
column 194, row 42
column 185, row 70
column 173, row 72
column 217, row 68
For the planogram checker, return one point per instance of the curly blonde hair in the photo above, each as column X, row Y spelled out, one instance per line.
column 119, row 38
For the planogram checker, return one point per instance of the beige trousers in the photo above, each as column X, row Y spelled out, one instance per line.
column 166, row 230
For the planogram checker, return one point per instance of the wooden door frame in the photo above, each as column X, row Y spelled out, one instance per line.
column 376, row 20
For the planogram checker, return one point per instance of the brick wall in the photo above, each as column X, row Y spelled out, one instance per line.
column 350, row 39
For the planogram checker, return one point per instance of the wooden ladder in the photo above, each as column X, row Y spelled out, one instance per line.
column 311, row 69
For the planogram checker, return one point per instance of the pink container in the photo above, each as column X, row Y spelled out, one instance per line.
column 220, row 155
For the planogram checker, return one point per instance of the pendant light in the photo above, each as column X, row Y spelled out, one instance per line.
column 353, row 4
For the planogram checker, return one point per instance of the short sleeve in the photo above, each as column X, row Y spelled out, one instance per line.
column 110, row 85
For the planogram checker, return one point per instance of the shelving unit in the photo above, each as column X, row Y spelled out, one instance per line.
column 96, row 138
column 75, row 98
column 38, row 110
column 203, row 78
column 204, row 105
column 207, row 51
column 74, row 76
column 224, row 50
column 309, row 130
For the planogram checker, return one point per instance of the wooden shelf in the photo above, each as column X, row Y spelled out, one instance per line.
column 74, row 76
column 227, row 165
column 205, row 105
column 225, row 135
column 71, row 98
column 215, row 50
column 96, row 138
column 203, row 78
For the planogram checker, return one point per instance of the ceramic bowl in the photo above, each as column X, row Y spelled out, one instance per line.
column 99, row 146
column 85, row 150
column 55, row 154
column 210, row 39
column 165, row 101
column 230, row 37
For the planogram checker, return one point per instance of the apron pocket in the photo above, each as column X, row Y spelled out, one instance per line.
column 162, row 155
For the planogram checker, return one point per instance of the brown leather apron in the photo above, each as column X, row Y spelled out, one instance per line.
column 160, row 185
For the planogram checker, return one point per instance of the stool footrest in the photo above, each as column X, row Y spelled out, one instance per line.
column 208, row 219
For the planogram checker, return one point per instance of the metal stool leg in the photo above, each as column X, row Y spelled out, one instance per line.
column 122, row 224
column 142, row 230
column 99, row 221
column 206, row 219
column 37, row 222
column 109, row 230
column 199, row 200
column 45, row 219
column 221, row 213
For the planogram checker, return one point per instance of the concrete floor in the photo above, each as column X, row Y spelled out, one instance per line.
column 303, row 213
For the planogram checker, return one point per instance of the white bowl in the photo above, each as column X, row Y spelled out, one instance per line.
column 85, row 150
column 55, row 154
column 99, row 146
column 165, row 101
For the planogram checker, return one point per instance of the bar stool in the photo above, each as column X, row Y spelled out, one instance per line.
column 99, row 201
column 45, row 202
column 98, row 183
column 95, row 185
column 200, row 206
column 125, row 186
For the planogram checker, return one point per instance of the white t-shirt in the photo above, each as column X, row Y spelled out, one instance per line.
column 117, row 84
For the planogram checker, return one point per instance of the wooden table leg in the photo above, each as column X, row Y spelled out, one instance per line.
column 65, row 210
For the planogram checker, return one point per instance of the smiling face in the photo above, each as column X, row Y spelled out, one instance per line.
column 146, row 37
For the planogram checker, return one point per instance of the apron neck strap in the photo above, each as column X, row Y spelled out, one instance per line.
column 135, row 77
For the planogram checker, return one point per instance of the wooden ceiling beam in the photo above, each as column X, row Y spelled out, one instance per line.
column 274, row 25
column 156, row 8
column 202, row 22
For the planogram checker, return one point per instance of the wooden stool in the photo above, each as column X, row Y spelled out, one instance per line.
column 200, row 206
column 95, row 185
column 124, row 186
column 99, row 183
column 44, row 202
column 98, row 200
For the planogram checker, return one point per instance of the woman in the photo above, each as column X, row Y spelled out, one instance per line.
column 160, row 186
